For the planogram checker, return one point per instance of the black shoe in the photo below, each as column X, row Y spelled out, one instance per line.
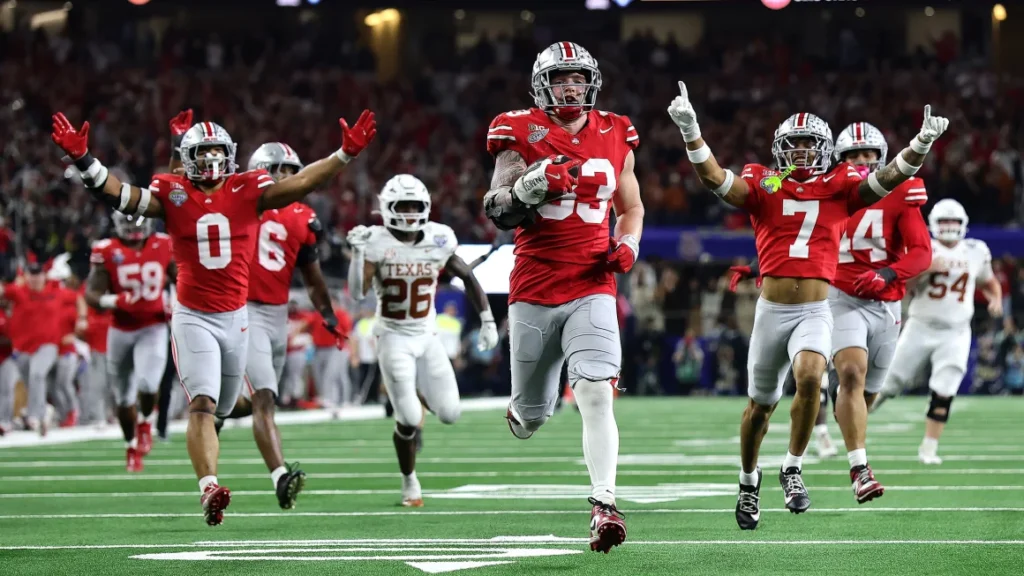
column 289, row 486
column 419, row 440
column 748, row 505
column 793, row 488
column 389, row 410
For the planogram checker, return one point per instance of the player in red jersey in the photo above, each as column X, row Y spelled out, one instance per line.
column 128, row 275
column 212, row 215
column 62, row 391
column 798, row 216
column 562, row 288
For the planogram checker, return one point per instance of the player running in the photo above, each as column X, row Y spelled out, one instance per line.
column 404, row 258
column 560, row 168
column 797, row 215
column 212, row 215
column 128, row 274
column 939, row 328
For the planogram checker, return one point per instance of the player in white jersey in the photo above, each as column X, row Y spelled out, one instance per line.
column 404, row 258
column 939, row 328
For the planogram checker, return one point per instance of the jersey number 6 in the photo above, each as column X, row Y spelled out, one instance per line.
column 564, row 208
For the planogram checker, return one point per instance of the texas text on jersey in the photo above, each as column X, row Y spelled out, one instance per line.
column 797, row 225
column 406, row 277
column 282, row 234
column 142, row 273
column 214, row 237
column 878, row 236
column 558, row 258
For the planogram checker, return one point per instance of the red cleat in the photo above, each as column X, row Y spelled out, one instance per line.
column 70, row 420
column 214, row 500
column 865, row 487
column 134, row 459
column 607, row 527
column 144, row 433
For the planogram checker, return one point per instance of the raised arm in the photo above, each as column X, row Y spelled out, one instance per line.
column 359, row 269
column 906, row 164
column 179, row 125
column 103, row 185
column 295, row 188
column 488, row 328
column 722, row 182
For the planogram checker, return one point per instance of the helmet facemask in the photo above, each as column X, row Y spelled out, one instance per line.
column 568, row 93
column 808, row 154
column 861, row 162
column 208, row 162
column 949, row 229
column 131, row 229
column 406, row 215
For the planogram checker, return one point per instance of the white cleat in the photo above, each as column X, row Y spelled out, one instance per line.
column 412, row 494
column 930, row 459
column 825, row 447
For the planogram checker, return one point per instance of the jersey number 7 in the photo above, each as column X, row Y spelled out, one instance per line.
column 809, row 208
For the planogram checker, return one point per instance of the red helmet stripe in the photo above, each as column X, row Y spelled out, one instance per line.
column 858, row 131
column 208, row 129
column 801, row 120
column 287, row 151
column 567, row 51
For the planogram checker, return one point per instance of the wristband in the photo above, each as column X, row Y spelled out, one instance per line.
column 876, row 186
column 108, row 301
column 722, row 190
column 920, row 147
column 340, row 155
column 486, row 316
column 699, row 155
column 126, row 197
column 906, row 168
column 888, row 274
column 632, row 243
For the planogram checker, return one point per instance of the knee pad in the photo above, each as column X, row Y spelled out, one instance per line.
column 408, row 410
column 938, row 408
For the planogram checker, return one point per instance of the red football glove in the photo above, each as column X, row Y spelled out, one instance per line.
column 622, row 253
column 740, row 273
column 331, row 324
column 870, row 284
column 75, row 143
column 546, row 180
column 181, row 123
column 358, row 137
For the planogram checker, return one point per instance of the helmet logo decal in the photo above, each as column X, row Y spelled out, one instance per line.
column 567, row 51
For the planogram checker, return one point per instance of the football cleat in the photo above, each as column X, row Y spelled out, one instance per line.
column 929, row 457
column 410, row 502
column 824, row 445
column 794, row 490
column 748, row 505
column 133, row 458
column 144, row 432
column 865, row 487
column 523, row 434
column 607, row 526
column 412, row 494
column 71, row 420
column 214, row 500
column 289, row 486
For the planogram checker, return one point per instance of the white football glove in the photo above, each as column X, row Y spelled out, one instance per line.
column 932, row 127
column 488, row 338
column 682, row 113
column 358, row 237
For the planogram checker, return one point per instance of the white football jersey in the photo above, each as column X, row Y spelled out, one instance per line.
column 406, row 278
column 948, row 297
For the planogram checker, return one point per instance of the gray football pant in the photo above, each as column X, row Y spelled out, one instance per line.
column 331, row 375
column 35, row 369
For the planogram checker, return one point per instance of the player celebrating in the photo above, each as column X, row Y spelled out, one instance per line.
column 128, row 274
column 212, row 216
column 562, row 288
column 797, row 217
column 404, row 258
column 288, row 238
column 939, row 328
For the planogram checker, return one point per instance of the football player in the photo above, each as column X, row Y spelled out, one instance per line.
column 128, row 274
column 797, row 213
column 939, row 328
column 560, row 168
column 212, row 215
column 404, row 258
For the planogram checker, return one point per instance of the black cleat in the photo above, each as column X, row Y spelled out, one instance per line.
column 289, row 486
column 793, row 488
column 748, row 505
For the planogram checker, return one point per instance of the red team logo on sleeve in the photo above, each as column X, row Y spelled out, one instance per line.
column 282, row 233
column 559, row 258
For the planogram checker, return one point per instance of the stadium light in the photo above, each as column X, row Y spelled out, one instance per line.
column 999, row 12
column 775, row 4
column 383, row 17
column 139, row 2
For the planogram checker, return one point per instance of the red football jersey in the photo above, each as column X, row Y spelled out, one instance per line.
column 282, row 233
column 321, row 337
column 96, row 334
column 214, row 237
column 881, row 234
column 797, row 225
column 68, row 318
column 36, row 316
column 140, row 272
column 560, row 258
column 5, row 335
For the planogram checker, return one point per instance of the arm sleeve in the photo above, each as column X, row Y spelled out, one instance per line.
column 916, row 243
column 506, row 133
column 631, row 135
column 753, row 174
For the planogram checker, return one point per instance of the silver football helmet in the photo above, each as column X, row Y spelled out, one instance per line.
column 196, row 156
column 131, row 229
column 554, row 99
column 948, row 221
column 786, row 152
column 272, row 157
column 862, row 136
column 404, row 188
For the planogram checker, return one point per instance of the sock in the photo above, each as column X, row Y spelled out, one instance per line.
column 133, row 443
column 792, row 461
column 821, row 429
column 410, row 485
column 930, row 445
column 276, row 475
column 858, row 457
column 748, row 478
column 600, row 436
column 206, row 481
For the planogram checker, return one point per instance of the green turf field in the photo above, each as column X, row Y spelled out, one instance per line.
column 497, row 505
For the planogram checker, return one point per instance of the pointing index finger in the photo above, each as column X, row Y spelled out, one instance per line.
column 682, row 89
column 927, row 111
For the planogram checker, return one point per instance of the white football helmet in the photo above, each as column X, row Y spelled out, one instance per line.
column 862, row 136
column 948, row 221
column 273, row 156
column 803, row 125
column 565, row 57
column 199, row 163
column 131, row 229
column 404, row 188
